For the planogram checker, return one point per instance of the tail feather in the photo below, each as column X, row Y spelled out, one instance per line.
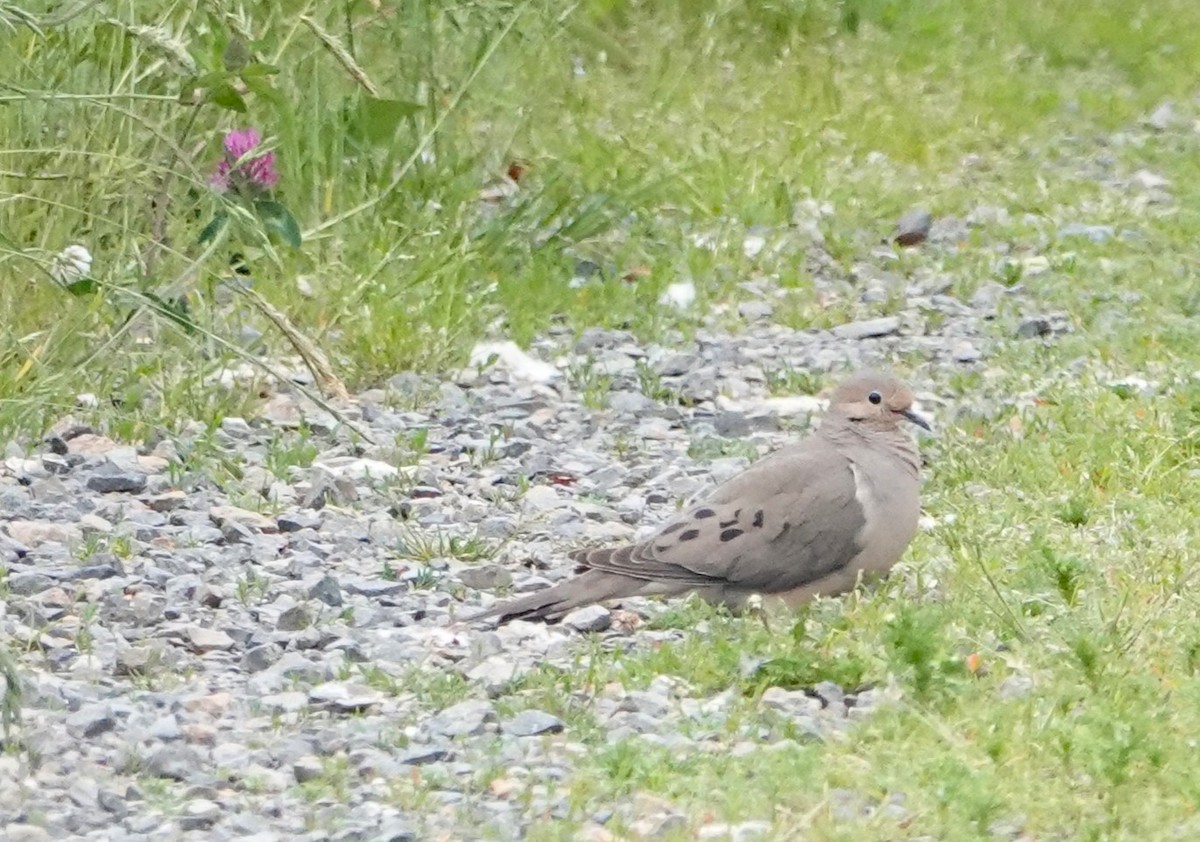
column 551, row 604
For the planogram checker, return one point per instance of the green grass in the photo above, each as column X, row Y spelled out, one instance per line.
column 1064, row 552
column 696, row 119
column 1097, row 614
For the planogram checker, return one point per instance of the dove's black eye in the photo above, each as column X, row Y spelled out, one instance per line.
column 874, row 397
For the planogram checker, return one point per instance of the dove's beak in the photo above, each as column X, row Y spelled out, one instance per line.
column 917, row 419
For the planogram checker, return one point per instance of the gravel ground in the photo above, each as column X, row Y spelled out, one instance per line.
column 226, row 635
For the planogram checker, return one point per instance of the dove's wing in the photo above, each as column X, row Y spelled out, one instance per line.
column 789, row 520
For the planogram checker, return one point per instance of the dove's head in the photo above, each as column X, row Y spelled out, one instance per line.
column 876, row 400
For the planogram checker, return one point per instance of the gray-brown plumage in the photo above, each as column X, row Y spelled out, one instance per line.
column 808, row 520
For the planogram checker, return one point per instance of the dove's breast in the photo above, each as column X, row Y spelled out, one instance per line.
column 888, row 495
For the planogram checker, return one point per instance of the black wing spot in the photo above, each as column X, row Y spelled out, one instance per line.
column 674, row 527
column 703, row 513
column 725, row 524
column 758, row 518
column 690, row 535
column 730, row 534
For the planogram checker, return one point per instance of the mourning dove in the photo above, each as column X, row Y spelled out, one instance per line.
column 808, row 520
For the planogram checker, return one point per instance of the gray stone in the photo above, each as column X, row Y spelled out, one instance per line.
column 234, row 532
column 424, row 755
column 757, row 310
column 174, row 761
column 109, row 478
column 913, row 227
column 164, row 729
column 485, row 577
column 1150, row 181
column 294, row 619
column 1015, row 686
column 253, row 521
column 298, row 520
column 84, row 793
column 326, row 488
column 297, row 666
column 464, row 719
column 530, row 723
column 113, row 802
column 327, row 591
column 146, row 824
column 35, row 533
column 591, row 618
column 289, row 702
column 11, row 550
column 629, row 403
column 91, row 721
column 140, row 660
column 345, row 696
column 1095, row 233
column 27, row 582
column 988, row 295
column 732, row 424
column 658, row 825
column 676, row 365
column 373, row 763
column 750, row 831
column 965, row 352
column 94, row 571
column 830, row 694
column 166, row 502
column 1163, row 117
column 261, row 657
column 396, row 829
column 867, row 329
column 1033, row 327
column 21, row 832
column 846, row 805
column 374, row 588
column 1009, row 827
column 494, row 674
column 203, row 640
column 200, row 814
column 308, row 768
column 653, row 702
column 237, row 428
column 793, row 703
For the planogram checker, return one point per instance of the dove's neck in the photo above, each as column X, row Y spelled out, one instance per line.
column 891, row 442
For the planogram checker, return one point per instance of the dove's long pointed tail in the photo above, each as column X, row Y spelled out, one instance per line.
column 552, row 603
